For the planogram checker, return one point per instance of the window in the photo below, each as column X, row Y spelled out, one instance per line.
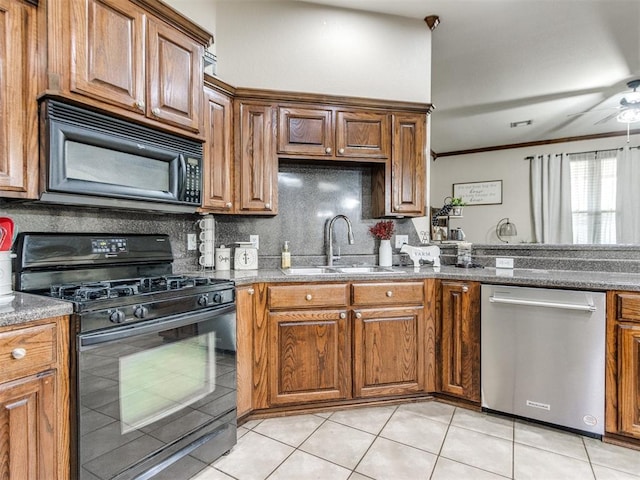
column 593, row 196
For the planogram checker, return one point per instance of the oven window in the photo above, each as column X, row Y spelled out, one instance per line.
column 101, row 165
column 157, row 382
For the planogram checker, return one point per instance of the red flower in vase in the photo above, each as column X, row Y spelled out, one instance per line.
column 383, row 230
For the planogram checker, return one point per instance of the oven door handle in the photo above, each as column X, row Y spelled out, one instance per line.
column 152, row 326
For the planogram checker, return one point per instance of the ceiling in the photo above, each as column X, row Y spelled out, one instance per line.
column 495, row 62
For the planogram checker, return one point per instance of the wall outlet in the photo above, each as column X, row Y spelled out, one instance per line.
column 255, row 241
column 192, row 243
column 401, row 240
column 504, row 262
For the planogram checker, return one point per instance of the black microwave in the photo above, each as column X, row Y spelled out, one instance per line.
column 93, row 159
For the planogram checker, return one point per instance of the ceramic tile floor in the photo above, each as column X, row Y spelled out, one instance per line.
column 426, row 440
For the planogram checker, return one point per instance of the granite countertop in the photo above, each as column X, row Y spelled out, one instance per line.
column 585, row 280
column 26, row 307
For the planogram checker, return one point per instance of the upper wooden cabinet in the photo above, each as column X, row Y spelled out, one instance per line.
column 18, row 106
column 137, row 59
column 333, row 133
column 256, row 172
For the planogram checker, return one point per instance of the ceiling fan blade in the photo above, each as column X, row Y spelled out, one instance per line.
column 591, row 111
column 606, row 119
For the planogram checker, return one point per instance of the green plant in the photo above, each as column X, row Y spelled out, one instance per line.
column 457, row 202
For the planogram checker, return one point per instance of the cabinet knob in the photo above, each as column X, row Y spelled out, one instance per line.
column 327, row 150
column 251, row 291
column 19, row 353
column 228, row 205
column 465, row 289
column 343, row 315
column 267, row 206
column 358, row 315
column 389, row 293
column 397, row 207
column 140, row 105
column 341, row 151
column 308, row 297
column 156, row 111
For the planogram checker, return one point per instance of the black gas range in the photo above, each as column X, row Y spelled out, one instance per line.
column 137, row 328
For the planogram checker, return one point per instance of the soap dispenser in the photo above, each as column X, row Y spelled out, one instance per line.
column 286, row 256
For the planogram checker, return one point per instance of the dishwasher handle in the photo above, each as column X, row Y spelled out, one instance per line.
column 539, row 303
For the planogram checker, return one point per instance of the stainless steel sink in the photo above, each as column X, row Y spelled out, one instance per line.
column 366, row 269
column 309, row 271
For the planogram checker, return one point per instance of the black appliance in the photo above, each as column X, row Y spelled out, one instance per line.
column 153, row 367
column 93, row 159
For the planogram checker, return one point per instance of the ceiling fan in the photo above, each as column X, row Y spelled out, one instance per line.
column 629, row 109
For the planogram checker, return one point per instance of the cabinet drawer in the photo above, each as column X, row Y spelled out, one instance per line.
column 387, row 293
column 628, row 307
column 310, row 295
column 27, row 349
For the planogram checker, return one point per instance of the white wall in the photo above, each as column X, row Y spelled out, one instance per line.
column 479, row 222
column 296, row 46
column 200, row 12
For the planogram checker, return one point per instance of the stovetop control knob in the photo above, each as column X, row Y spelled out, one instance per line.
column 217, row 298
column 140, row 311
column 116, row 316
column 203, row 301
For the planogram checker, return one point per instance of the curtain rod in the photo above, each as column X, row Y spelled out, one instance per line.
column 531, row 157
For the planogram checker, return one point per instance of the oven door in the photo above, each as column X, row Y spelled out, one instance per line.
column 152, row 392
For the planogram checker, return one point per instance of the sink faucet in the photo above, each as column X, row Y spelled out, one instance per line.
column 329, row 237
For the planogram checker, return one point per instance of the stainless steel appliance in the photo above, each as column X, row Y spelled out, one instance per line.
column 543, row 355
column 153, row 364
column 98, row 160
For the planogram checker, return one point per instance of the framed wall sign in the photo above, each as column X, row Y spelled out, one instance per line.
column 479, row 193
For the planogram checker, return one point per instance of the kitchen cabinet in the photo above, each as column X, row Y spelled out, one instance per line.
column 332, row 133
column 459, row 337
column 18, row 106
column 389, row 338
column 218, row 185
column 245, row 314
column 34, row 400
column 136, row 59
column 622, row 399
column 310, row 343
column 256, row 172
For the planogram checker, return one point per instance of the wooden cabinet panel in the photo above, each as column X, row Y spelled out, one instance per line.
column 174, row 77
column 28, row 428
column 218, row 153
column 311, row 357
column 460, row 340
column 18, row 106
column 387, row 293
column 388, row 351
column 628, row 307
column 27, row 350
column 305, row 131
column 108, row 52
column 408, row 170
column 308, row 295
column 629, row 379
column 257, row 167
column 362, row 134
column 245, row 315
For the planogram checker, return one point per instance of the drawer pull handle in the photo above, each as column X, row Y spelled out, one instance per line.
column 465, row 289
column 389, row 293
column 308, row 297
column 343, row 315
column 341, row 151
column 251, row 291
column 358, row 315
column 327, row 150
column 19, row 353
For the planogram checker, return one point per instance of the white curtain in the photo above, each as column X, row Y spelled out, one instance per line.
column 628, row 196
column 550, row 178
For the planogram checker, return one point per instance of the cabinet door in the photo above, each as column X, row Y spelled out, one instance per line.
column 256, row 172
column 408, row 168
column 460, row 340
column 305, row 131
column 244, row 349
column 107, row 52
column 629, row 379
column 310, row 356
column 388, row 351
column 18, row 106
column 362, row 134
column 174, row 77
column 28, row 428
column 218, row 154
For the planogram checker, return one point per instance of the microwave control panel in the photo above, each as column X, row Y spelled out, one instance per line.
column 193, row 181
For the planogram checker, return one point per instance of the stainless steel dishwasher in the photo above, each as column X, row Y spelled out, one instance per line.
column 543, row 355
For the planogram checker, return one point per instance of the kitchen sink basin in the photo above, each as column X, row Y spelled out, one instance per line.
column 310, row 271
column 367, row 269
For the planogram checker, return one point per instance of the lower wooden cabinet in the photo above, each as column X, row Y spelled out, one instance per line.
column 34, row 401
column 629, row 379
column 459, row 336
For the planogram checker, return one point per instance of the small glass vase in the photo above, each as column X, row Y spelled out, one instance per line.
column 385, row 253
